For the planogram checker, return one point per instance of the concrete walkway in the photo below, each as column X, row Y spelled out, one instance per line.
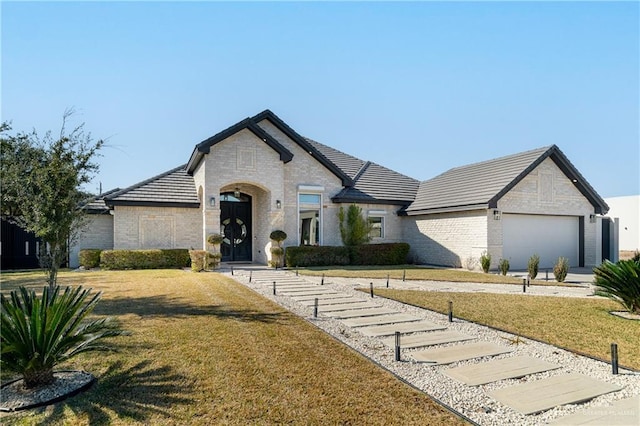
column 438, row 346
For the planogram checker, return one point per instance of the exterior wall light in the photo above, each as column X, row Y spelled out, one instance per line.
column 236, row 193
column 592, row 218
column 278, row 204
column 496, row 215
column 212, row 201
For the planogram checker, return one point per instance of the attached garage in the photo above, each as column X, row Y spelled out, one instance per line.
column 548, row 236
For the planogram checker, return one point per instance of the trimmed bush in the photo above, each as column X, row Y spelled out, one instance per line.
column 144, row 259
column 278, row 236
column 561, row 269
column 532, row 266
column 485, row 261
column 215, row 239
column 619, row 281
column 503, row 266
column 199, row 260
column 89, row 258
column 316, row 256
column 367, row 254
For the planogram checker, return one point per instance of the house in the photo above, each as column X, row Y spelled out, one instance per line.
column 260, row 175
column 627, row 210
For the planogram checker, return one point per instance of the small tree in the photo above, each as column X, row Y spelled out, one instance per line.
column 532, row 266
column 561, row 269
column 41, row 187
column 354, row 228
column 278, row 236
column 213, row 258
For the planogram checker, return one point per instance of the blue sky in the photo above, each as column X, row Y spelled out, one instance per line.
column 418, row 87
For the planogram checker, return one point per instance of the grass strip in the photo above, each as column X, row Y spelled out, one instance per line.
column 578, row 324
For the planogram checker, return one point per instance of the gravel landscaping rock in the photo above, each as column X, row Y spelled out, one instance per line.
column 471, row 401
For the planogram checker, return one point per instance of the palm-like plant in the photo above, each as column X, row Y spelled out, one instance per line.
column 619, row 281
column 36, row 333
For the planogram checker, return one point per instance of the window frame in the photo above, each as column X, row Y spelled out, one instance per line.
column 315, row 191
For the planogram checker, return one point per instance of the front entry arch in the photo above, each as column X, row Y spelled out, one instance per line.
column 235, row 227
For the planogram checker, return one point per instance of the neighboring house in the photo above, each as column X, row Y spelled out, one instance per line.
column 260, row 175
column 627, row 211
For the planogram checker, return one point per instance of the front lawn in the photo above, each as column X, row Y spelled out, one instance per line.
column 207, row 350
column 580, row 324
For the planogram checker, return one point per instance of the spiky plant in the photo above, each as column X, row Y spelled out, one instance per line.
column 619, row 281
column 503, row 266
column 38, row 333
column 485, row 261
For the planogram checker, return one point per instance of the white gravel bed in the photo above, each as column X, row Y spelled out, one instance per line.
column 472, row 401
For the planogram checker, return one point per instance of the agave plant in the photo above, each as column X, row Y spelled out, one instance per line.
column 38, row 333
column 619, row 281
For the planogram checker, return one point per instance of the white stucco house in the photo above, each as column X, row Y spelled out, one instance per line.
column 627, row 211
column 260, row 175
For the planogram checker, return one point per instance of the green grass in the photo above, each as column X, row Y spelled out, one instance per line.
column 579, row 324
column 412, row 272
column 207, row 350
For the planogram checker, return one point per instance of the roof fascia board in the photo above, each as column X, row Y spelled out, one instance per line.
column 294, row 136
column 355, row 200
column 151, row 204
column 446, row 210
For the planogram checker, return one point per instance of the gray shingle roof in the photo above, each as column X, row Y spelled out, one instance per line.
column 96, row 205
column 481, row 185
column 174, row 188
column 348, row 164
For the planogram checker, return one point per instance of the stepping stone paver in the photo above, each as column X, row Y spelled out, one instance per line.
column 379, row 320
column 621, row 413
column 540, row 395
column 499, row 369
column 405, row 327
column 346, row 306
column 312, row 293
column 327, row 302
column 427, row 339
column 457, row 353
column 305, row 291
column 355, row 313
column 325, row 296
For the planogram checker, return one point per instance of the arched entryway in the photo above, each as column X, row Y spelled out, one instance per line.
column 235, row 226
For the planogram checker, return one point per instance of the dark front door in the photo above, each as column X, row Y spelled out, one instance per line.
column 235, row 227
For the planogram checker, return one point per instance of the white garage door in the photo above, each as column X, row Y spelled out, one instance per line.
column 548, row 236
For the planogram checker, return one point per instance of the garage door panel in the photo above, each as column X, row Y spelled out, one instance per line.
column 548, row 236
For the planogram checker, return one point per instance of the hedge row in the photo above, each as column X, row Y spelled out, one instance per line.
column 366, row 254
column 135, row 259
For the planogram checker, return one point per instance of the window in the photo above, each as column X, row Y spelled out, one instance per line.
column 309, row 211
column 377, row 226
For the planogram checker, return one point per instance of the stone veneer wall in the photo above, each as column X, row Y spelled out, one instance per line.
column 446, row 239
column 156, row 227
column 98, row 234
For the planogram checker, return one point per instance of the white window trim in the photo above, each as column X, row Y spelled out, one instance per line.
column 311, row 190
column 382, row 223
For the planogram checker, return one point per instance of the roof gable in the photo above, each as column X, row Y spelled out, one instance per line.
column 482, row 185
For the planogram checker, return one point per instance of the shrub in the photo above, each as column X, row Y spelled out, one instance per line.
column 503, row 266
column 485, row 261
column 39, row 333
column 561, row 269
column 354, row 228
column 199, row 260
column 532, row 266
column 215, row 239
column 636, row 256
column 276, row 255
column 278, row 236
column 89, row 258
column 213, row 260
column 316, row 256
column 144, row 259
column 619, row 281
column 379, row 254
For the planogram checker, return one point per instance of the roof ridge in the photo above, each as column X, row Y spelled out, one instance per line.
column 363, row 169
column 504, row 157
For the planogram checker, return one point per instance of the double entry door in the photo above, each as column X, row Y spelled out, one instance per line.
column 235, row 228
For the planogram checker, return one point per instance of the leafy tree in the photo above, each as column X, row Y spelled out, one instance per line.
column 37, row 333
column 354, row 228
column 41, row 187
